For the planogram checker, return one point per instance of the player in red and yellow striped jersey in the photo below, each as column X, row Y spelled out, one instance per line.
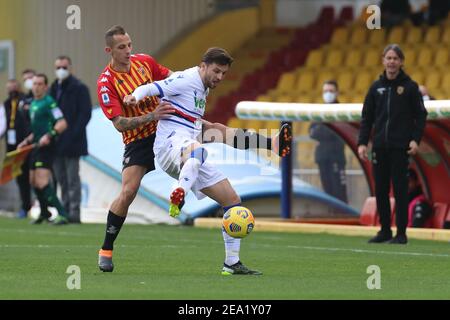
column 137, row 124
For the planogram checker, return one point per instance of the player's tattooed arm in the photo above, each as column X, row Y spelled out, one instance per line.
column 124, row 124
column 162, row 111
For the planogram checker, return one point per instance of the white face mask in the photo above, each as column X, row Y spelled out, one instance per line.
column 426, row 98
column 28, row 84
column 61, row 73
column 329, row 97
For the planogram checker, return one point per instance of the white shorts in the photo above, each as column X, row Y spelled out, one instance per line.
column 169, row 159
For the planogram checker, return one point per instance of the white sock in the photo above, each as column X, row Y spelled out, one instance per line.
column 189, row 173
column 232, row 248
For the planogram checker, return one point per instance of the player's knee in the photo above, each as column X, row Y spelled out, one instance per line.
column 129, row 193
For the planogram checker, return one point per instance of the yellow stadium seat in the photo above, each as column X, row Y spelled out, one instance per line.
column 358, row 37
column 358, row 98
column 372, row 58
column 345, row 81
column 377, row 36
column 334, row 58
column 417, row 76
column 345, row 98
column 272, row 125
column 396, row 35
column 414, row 35
column 283, row 98
column 339, row 36
column 425, row 57
column 353, row 58
column 305, row 97
column 264, row 98
column 314, row 59
column 305, row 82
column 410, row 56
column 445, row 83
column 432, row 35
column 441, row 58
column 235, row 122
column 322, row 77
column 445, row 38
column 433, row 80
column 286, row 83
column 253, row 124
column 363, row 81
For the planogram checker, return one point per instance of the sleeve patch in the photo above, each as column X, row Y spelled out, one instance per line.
column 57, row 113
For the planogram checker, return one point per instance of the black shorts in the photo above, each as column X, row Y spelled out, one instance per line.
column 140, row 153
column 42, row 157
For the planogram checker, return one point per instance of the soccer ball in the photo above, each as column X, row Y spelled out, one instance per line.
column 238, row 222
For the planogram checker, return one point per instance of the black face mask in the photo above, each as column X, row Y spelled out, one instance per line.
column 13, row 94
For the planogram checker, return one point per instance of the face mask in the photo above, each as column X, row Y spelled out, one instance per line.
column 426, row 98
column 61, row 74
column 28, row 84
column 329, row 97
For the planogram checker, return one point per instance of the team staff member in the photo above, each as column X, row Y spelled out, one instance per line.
column 18, row 128
column 47, row 122
column 394, row 107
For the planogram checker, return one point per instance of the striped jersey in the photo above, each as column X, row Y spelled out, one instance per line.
column 113, row 86
column 187, row 94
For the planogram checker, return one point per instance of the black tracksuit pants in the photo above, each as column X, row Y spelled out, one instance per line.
column 391, row 164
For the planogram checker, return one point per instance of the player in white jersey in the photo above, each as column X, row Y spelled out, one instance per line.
column 178, row 150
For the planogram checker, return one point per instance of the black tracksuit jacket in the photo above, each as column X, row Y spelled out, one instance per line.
column 396, row 111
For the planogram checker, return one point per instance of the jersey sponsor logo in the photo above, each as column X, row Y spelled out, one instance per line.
column 105, row 98
column 106, row 73
column 104, row 89
column 104, row 79
column 199, row 103
column 109, row 110
column 57, row 113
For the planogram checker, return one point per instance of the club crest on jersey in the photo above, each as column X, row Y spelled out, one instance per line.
column 119, row 81
column 105, row 98
column 400, row 89
column 141, row 70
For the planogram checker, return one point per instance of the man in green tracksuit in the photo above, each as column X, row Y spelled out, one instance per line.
column 47, row 122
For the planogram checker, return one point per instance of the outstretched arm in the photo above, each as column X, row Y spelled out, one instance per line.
column 162, row 111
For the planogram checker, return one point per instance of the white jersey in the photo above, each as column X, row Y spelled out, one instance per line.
column 187, row 94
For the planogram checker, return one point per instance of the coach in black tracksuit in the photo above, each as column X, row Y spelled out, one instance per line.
column 394, row 107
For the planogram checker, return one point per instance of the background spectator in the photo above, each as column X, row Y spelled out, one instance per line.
column 72, row 97
column 329, row 154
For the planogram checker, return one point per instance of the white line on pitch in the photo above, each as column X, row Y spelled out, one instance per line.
column 373, row 251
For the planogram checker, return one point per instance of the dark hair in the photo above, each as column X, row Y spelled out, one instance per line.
column 333, row 83
column 28, row 71
column 217, row 55
column 42, row 75
column 62, row 57
column 396, row 48
column 109, row 35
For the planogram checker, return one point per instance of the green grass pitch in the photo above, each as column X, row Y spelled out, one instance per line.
column 181, row 262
